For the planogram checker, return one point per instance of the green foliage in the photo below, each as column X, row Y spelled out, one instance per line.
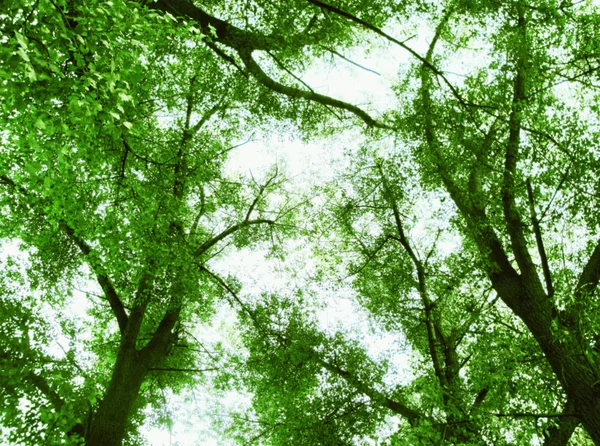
column 466, row 231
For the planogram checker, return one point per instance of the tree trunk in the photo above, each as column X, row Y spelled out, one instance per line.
column 561, row 348
column 109, row 425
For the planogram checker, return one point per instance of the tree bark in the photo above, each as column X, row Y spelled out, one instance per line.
column 109, row 425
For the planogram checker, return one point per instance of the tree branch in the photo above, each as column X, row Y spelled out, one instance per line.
column 217, row 29
column 42, row 385
column 216, row 239
column 376, row 396
column 588, row 280
column 512, row 217
column 539, row 241
column 430, row 323
column 560, row 433
column 158, row 345
column 111, row 294
column 109, row 290
column 332, row 51
column 265, row 80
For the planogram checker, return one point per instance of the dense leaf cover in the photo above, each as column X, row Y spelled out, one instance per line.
column 464, row 219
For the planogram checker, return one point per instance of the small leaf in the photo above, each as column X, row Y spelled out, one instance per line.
column 21, row 40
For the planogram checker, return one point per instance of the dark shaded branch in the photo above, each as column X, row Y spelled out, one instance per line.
column 109, row 290
column 226, row 57
column 376, row 396
column 560, row 184
column 233, row 294
column 430, row 323
column 499, row 266
column 261, row 190
column 512, row 217
column 539, row 241
column 424, row 60
column 265, row 80
column 158, row 345
column 42, row 385
column 217, row 29
column 588, row 280
column 560, row 432
column 245, row 42
column 111, row 294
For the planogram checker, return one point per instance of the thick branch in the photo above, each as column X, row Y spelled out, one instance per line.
column 161, row 339
column 218, row 29
column 376, row 396
column 514, row 224
column 499, row 267
column 245, row 42
column 588, row 280
column 292, row 92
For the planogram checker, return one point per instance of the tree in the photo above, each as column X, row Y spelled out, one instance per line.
column 91, row 175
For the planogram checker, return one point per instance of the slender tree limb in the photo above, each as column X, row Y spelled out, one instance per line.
column 341, row 56
column 227, row 232
column 116, row 305
column 377, row 397
column 261, row 190
column 424, row 60
column 430, row 322
column 512, row 217
column 109, row 290
column 539, row 241
column 292, row 92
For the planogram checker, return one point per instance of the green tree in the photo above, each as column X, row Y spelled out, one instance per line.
column 91, row 175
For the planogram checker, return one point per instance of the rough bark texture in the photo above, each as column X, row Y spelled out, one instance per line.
column 109, row 425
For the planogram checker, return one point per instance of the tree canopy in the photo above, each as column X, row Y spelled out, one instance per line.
column 461, row 221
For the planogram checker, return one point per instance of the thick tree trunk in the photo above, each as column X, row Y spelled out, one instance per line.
column 109, row 424
column 561, row 348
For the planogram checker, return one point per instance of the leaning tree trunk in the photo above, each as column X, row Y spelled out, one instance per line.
column 109, row 424
column 576, row 374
